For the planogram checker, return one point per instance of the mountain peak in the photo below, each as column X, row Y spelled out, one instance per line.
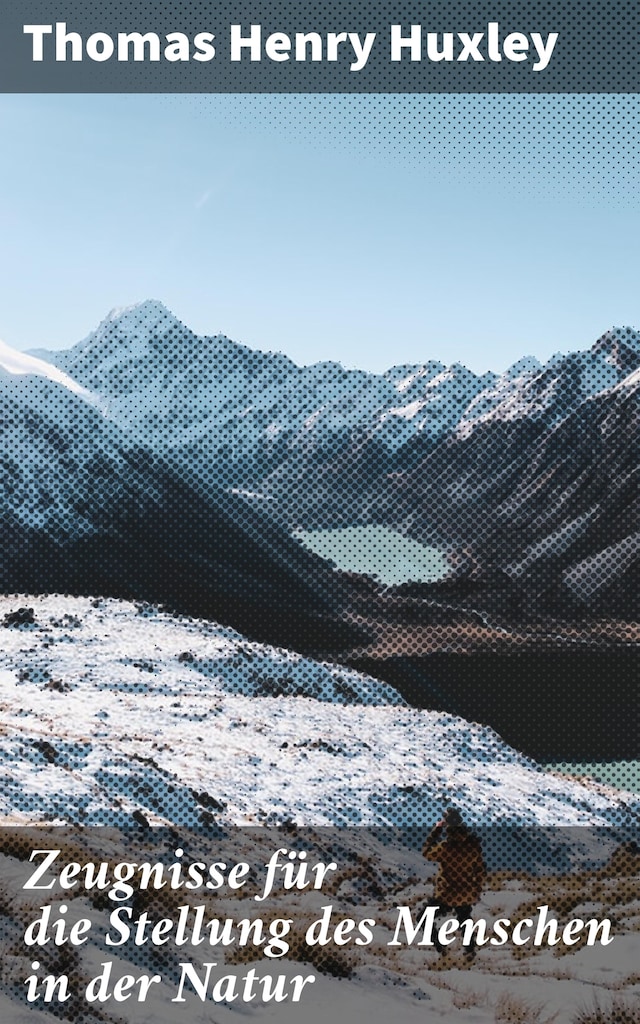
column 132, row 328
column 626, row 333
column 620, row 348
column 149, row 311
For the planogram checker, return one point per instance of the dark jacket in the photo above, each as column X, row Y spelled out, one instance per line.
column 462, row 872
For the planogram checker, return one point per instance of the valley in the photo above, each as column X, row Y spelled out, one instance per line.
column 246, row 601
column 470, row 539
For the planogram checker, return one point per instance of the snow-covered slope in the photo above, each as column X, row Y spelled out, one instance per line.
column 174, row 389
column 55, row 447
column 86, row 509
column 549, row 496
column 23, row 364
column 529, row 391
column 109, row 709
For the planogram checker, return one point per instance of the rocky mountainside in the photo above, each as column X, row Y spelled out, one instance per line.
column 120, row 716
column 87, row 510
column 222, row 404
column 550, row 513
column 529, row 478
column 111, row 708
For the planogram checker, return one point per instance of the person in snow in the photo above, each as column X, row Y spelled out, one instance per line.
column 461, row 874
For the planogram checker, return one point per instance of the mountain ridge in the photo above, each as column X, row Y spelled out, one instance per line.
column 184, row 486
column 486, row 464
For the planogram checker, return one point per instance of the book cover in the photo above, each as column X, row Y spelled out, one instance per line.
column 320, row 537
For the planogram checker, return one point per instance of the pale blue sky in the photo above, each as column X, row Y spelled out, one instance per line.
column 371, row 230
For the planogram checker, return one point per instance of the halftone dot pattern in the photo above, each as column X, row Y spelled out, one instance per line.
column 594, row 49
column 550, row 874
column 199, row 475
column 581, row 149
column 189, row 472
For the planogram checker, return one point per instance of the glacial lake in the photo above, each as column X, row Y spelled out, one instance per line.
column 378, row 551
column 621, row 774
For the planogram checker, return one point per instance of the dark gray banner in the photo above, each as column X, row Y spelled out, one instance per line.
column 303, row 47
column 96, row 922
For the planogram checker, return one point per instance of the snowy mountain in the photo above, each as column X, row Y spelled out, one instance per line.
column 86, row 510
column 177, row 389
column 257, row 421
column 547, row 499
column 173, row 389
column 529, row 469
column 150, row 465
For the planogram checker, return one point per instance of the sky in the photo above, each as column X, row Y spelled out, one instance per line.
column 372, row 230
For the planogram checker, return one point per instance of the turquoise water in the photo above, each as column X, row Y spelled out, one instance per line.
column 622, row 774
column 378, row 551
